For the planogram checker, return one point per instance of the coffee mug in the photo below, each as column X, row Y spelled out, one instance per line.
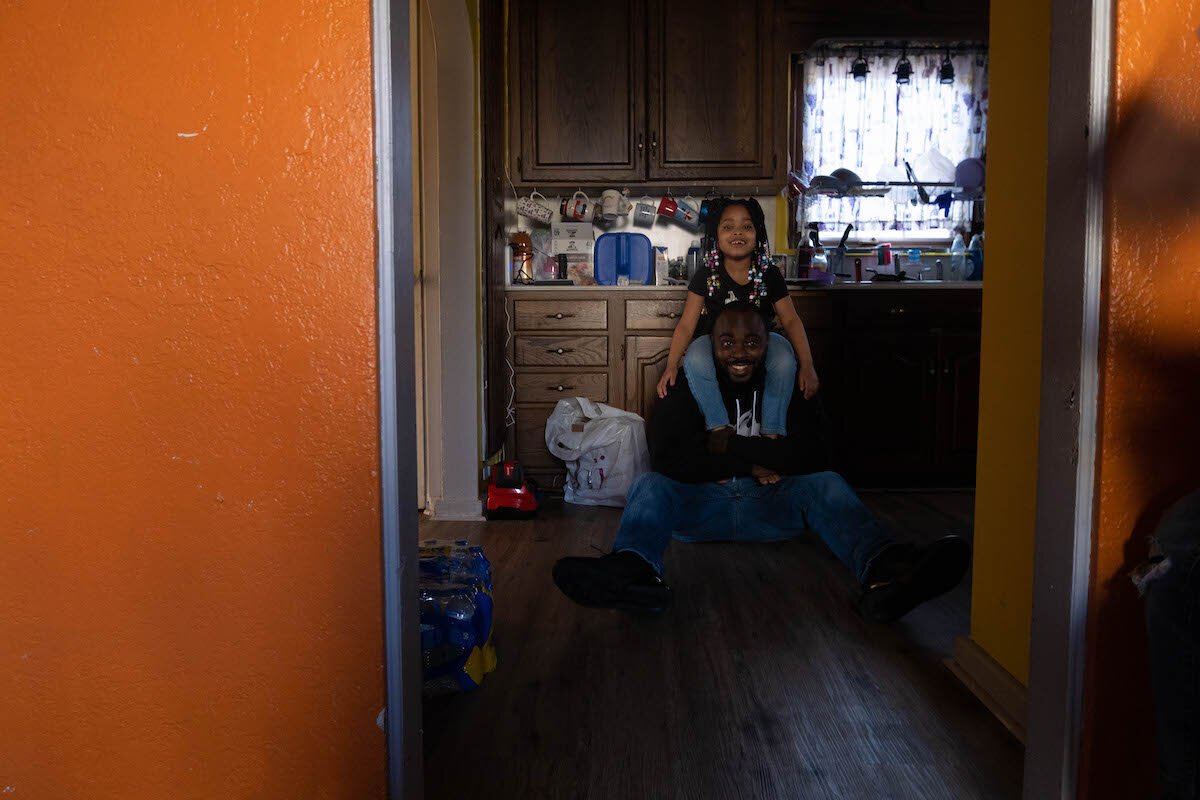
column 577, row 207
column 679, row 211
column 613, row 204
column 643, row 213
column 535, row 210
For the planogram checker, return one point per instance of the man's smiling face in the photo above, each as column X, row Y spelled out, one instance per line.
column 739, row 341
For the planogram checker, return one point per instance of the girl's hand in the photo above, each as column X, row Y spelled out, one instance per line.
column 667, row 379
column 807, row 380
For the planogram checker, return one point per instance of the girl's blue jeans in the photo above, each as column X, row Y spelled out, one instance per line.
column 743, row 510
column 701, row 373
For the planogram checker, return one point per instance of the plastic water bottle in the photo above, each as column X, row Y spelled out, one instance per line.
column 958, row 259
column 975, row 254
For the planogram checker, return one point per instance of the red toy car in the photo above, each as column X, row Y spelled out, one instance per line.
column 509, row 494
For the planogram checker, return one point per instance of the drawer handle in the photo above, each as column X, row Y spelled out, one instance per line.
column 561, row 350
column 559, row 388
column 668, row 314
column 895, row 310
column 559, row 315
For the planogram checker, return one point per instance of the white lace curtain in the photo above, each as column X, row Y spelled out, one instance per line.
column 873, row 126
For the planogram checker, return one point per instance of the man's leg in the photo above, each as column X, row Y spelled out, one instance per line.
column 825, row 503
column 630, row 577
column 895, row 577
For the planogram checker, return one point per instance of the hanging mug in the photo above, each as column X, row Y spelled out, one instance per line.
column 530, row 207
column 613, row 204
column 679, row 211
column 576, row 208
column 643, row 213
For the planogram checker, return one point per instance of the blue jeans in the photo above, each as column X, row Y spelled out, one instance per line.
column 742, row 510
column 1172, row 590
column 701, row 373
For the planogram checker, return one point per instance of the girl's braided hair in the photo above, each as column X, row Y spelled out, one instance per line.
column 713, row 259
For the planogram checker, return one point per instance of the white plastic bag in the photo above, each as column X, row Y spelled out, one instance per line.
column 604, row 448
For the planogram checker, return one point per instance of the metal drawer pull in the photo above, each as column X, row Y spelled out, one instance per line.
column 561, row 350
column 895, row 310
column 559, row 315
column 559, row 388
column 668, row 314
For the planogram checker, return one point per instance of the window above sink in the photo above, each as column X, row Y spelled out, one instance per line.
column 854, row 112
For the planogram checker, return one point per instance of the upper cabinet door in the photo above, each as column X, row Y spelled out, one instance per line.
column 577, row 91
column 711, row 78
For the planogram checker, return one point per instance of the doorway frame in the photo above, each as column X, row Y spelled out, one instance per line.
column 1080, row 96
column 391, row 52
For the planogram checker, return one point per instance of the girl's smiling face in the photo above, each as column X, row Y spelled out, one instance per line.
column 735, row 233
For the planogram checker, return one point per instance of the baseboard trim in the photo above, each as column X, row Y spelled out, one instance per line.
column 455, row 511
column 1003, row 694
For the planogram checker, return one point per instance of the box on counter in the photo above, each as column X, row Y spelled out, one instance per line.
column 571, row 237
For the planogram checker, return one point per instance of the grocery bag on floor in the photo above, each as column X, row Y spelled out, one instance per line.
column 604, row 449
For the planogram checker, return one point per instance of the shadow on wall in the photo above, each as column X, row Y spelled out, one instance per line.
column 1151, row 370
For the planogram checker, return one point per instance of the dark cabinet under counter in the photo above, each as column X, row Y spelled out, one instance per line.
column 899, row 371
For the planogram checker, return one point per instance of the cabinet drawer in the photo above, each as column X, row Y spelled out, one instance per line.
column 560, row 314
column 909, row 309
column 815, row 311
column 554, row 351
column 531, row 438
column 653, row 314
column 550, row 387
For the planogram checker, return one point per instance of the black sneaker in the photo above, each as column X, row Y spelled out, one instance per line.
column 903, row 576
column 618, row 580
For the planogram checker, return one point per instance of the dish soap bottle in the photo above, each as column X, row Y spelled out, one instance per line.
column 958, row 259
column 975, row 254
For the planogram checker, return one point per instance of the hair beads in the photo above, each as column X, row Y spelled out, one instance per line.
column 762, row 259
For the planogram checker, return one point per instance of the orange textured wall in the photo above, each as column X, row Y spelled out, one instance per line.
column 190, row 592
column 1150, row 430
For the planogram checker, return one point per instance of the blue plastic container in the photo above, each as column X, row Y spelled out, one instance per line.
column 619, row 256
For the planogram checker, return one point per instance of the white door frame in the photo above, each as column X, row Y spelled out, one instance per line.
column 391, row 55
column 1081, row 34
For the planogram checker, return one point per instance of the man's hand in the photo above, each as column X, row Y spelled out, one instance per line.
column 718, row 440
column 763, row 475
column 807, row 380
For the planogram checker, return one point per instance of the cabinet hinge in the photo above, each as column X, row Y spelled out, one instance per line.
column 622, row 352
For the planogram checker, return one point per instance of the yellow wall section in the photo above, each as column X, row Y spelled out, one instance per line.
column 190, row 601
column 1006, row 494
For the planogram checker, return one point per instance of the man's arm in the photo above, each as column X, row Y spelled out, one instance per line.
column 679, row 443
column 805, row 449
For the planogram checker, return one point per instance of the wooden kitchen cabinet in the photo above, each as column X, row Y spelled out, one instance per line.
column 647, row 91
column 899, row 372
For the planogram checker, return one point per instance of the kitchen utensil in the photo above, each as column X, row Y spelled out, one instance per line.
column 912, row 176
column 969, row 174
column 680, row 212
column 849, row 179
column 643, row 213
column 613, row 204
column 845, row 236
column 576, row 207
column 534, row 208
column 826, row 185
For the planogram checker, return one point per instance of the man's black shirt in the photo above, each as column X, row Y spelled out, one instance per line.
column 678, row 440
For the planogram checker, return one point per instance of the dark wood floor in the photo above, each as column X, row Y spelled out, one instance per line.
column 762, row 682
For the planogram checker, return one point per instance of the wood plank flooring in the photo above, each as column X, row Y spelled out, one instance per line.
column 761, row 683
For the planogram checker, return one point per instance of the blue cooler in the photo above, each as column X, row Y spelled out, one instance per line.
column 623, row 255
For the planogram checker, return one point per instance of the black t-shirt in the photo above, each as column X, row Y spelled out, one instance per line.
column 729, row 291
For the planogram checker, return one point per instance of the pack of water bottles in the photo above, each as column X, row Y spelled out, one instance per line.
column 455, row 586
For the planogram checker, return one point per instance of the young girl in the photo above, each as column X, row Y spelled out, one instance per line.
column 739, row 268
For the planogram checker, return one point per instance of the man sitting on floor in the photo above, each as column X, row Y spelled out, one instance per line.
column 733, row 485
